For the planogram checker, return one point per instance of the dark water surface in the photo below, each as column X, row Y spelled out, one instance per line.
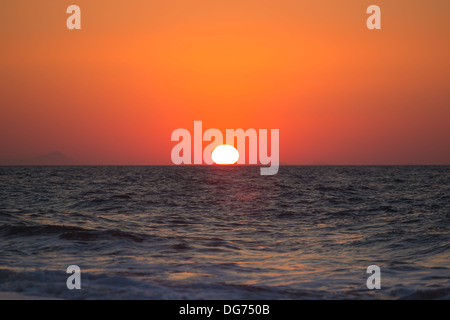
column 225, row 232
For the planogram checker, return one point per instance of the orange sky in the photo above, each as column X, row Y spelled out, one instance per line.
column 113, row 92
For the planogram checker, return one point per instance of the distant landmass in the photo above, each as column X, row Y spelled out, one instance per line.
column 51, row 159
column 319, row 164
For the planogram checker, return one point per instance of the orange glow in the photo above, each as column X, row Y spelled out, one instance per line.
column 112, row 92
column 225, row 154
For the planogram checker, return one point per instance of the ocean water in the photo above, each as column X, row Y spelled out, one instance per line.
column 211, row 232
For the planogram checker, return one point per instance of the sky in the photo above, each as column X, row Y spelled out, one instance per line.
column 113, row 92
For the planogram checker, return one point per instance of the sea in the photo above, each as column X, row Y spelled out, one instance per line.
column 226, row 232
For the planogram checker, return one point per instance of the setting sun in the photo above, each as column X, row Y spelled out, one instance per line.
column 225, row 154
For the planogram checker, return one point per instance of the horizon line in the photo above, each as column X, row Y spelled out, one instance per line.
column 216, row 165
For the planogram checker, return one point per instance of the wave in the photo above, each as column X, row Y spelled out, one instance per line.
column 69, row 233
column 98, row 285
column 432, row 294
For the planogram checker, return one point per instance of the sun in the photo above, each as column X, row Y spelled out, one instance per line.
column 225, row 154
